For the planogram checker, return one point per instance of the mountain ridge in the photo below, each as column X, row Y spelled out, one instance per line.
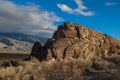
column 24, row 37
column 18, row 42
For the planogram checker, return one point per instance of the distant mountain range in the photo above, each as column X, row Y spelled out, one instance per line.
column 18, row 42
column 24, row 37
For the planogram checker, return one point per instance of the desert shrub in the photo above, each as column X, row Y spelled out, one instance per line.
column 64, row 69
column 45, row 70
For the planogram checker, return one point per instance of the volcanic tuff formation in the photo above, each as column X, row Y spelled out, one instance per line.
column 76, row 41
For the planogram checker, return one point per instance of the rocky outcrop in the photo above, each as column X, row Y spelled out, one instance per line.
column 39, row 51
column 36, row 49
column 76, row 41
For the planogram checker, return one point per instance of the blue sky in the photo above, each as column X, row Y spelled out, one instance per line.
column 100, row 15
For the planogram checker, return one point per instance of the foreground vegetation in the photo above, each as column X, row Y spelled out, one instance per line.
column 67, row 69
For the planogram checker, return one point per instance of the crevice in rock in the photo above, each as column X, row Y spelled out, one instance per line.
column 78, row 32
column 64, row 53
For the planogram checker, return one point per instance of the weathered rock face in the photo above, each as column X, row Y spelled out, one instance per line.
column 75, row 41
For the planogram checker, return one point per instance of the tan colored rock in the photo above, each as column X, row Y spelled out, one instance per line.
column 59, row 47
column 76, row 41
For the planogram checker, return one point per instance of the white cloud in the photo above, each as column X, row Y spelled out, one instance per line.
column 81, row 9
column 26, row 19
column 110, row 3
column 65, row 8
column 80, row 5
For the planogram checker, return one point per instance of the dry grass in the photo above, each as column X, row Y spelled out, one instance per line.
column 46, row 70
column 67, row 69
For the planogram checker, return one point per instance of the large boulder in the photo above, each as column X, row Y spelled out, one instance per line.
column 76, row 41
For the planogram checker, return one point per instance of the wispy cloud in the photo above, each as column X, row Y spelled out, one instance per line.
column 65, row 8
column 26, row 19
column 110, row 3
column 81, row 9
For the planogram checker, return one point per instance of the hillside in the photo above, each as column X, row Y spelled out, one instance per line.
column 24, row 37
column 9, row 45
column 18, row 42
